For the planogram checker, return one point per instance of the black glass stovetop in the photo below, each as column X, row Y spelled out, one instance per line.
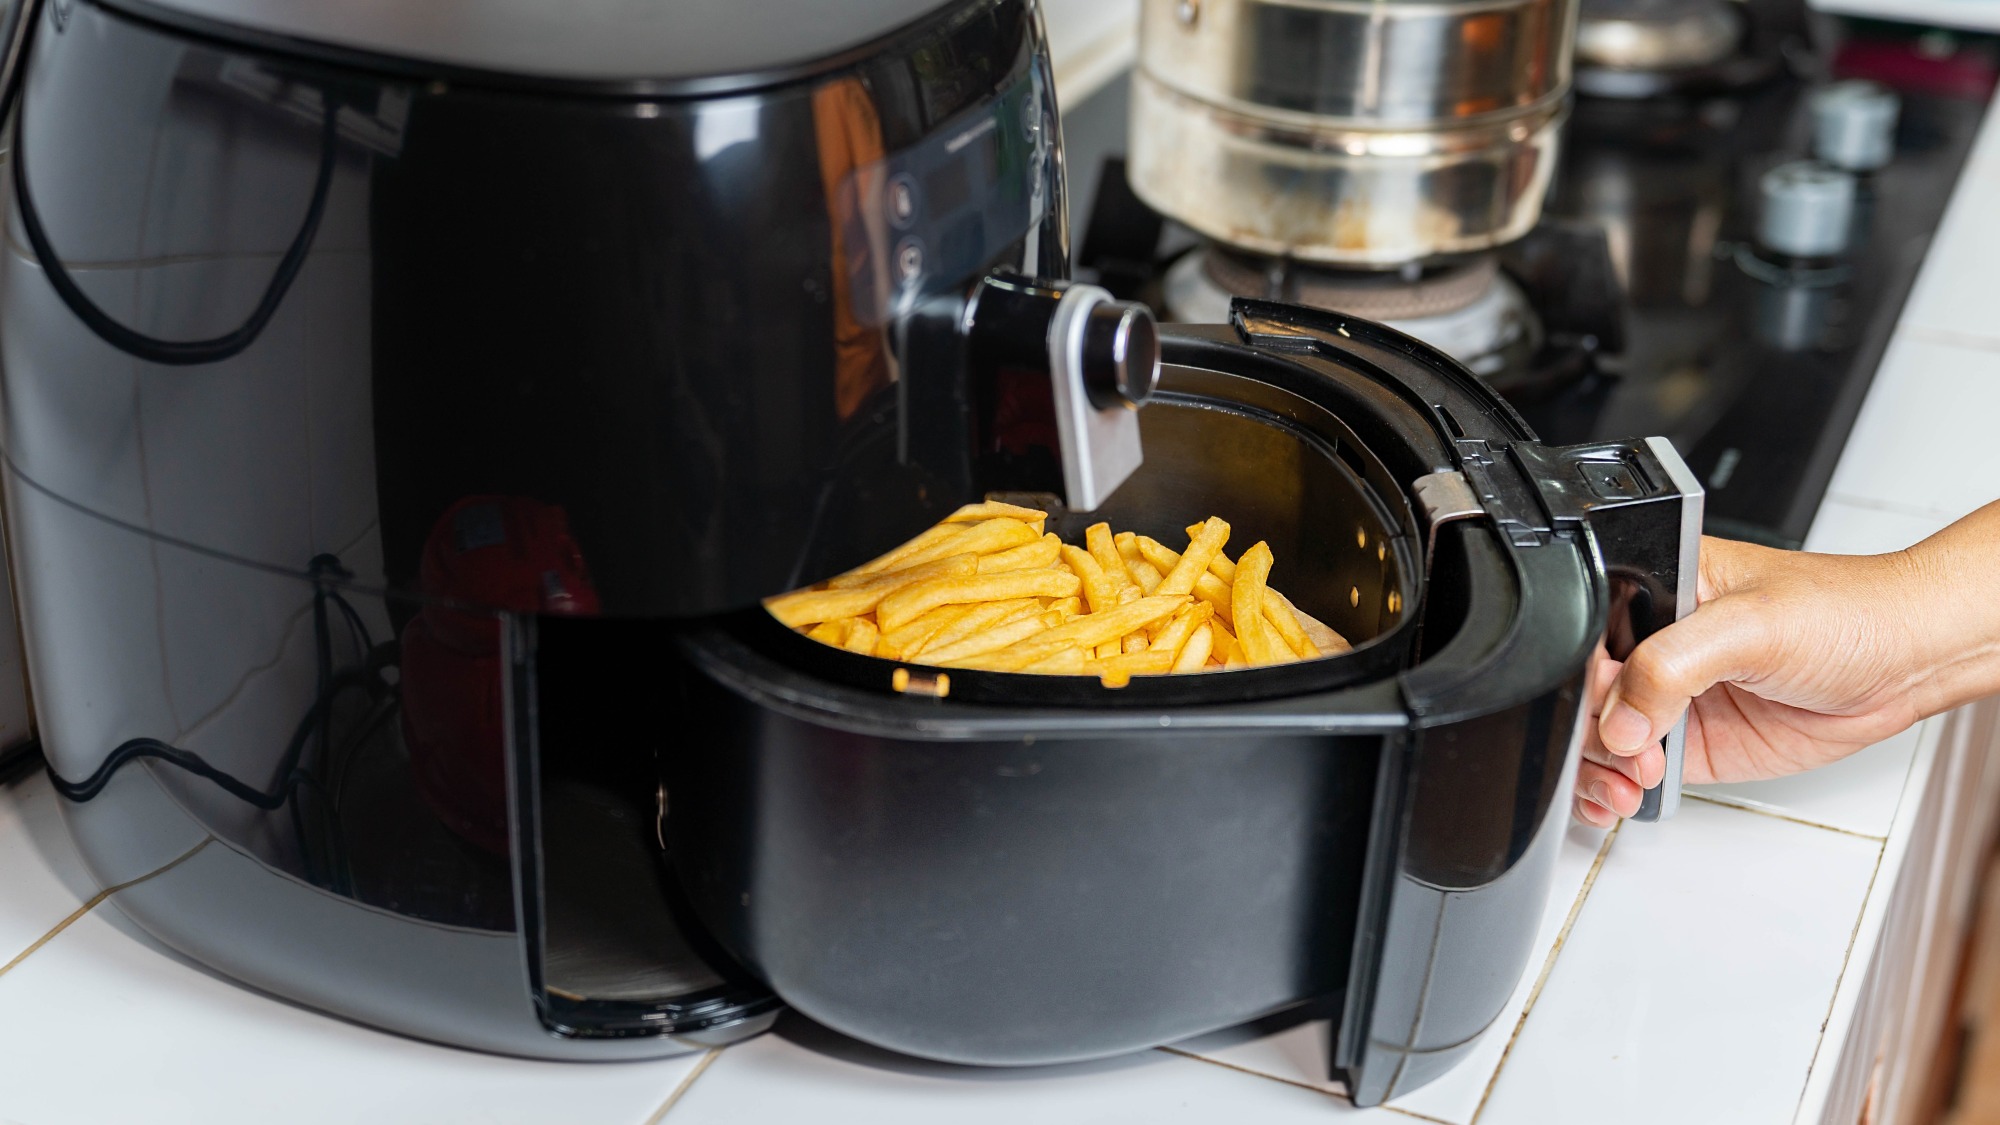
column 1754, row 369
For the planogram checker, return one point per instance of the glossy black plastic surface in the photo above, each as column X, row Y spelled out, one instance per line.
column 675, row 321
column 545, row 358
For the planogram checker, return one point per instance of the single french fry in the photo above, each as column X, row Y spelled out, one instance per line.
column 1145, row 574
column 1037, row 609
column 899, row 643
column 1108, row 649
column 895, row 558
column 1226, row 647
column 1323, row 638
column 1207, row 587
column 990, row 537
column 861, row 637
column 1157, row 553
column 1128, row 547
column 1133, row 642
column 1185, row 621
column 1097, row 538
column 992, row 640
column 1220, row 566
column 1068, row 662
column 1093, row 629
column 1259, row 641
column 1193, row 563
column 829, row 632
column 1028, row 556
column 908, row 604
column 994, row 509
column 1099, row 592
column 1194, row 654
column 1117, row 671
column 1068, row 607
column 805, row 606
column 974, row 620
column 1279, row 612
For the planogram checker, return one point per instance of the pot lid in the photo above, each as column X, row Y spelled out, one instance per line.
column 669, row 47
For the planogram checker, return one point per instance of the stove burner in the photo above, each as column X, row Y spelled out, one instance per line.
column 1375, row 294
column 1633, row 49
column 1469, row 310
column 1657, row 34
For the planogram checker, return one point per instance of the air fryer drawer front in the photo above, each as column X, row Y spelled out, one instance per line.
column 1038, row 869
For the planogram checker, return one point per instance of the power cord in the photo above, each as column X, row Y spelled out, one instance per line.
column 151, row 348
column 314, row 728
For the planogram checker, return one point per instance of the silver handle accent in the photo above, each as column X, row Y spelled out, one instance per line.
column 1664, row 800
column 1100, row 443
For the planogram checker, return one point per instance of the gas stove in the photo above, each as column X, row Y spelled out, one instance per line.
column 1642, row 302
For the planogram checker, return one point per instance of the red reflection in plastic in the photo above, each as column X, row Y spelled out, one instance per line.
column 496, row 553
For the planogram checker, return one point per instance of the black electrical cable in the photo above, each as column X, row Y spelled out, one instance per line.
column 314, row 728
column 180, row 353
column 133, row 749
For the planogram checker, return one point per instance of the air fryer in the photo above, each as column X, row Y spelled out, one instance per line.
column 401, row 430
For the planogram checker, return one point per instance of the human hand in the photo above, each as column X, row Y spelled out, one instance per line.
column 1794, row 660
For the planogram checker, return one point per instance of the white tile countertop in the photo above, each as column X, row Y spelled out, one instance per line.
column 1706, row 970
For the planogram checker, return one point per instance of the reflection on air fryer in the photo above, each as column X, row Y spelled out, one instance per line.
column 991, row 589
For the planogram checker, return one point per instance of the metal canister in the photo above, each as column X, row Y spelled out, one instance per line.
column 1354, row 133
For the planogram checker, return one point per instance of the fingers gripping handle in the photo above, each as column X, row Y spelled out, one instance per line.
column 1682, row 514
column 1643, row 509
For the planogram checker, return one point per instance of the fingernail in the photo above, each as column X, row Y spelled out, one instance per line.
column 1600, row 793
column 1623, row 729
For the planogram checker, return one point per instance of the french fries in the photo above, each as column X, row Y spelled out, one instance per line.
column 1099, row 591
column 989, row 589
column 1246, row 601
column 804, row 607
column 909, row 602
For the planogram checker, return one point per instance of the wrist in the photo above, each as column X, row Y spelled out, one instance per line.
column 1951, row 622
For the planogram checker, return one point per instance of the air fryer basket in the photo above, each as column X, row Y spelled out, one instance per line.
column 1281, row 469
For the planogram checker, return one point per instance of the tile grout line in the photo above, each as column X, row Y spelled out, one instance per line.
column 1413, row 1113
column 1548, row 967
column 1328, row 1091
column 674, row 1098
column 1891, row 507
column 1846, row 963
column 1970, row 341
column 97, row 898
column 1775, row 815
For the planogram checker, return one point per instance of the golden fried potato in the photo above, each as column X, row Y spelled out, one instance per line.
column 988, row 589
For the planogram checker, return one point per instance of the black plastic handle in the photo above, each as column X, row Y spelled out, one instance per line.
column 1644, row 509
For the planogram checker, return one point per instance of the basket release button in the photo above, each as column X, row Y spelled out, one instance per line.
column 1612, row 480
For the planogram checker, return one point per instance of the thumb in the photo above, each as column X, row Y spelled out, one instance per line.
column 1717, row 642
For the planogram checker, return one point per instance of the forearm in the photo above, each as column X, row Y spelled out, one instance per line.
column 1953, row 612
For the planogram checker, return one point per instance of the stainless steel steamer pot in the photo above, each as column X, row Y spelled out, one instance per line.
column 1351, row 132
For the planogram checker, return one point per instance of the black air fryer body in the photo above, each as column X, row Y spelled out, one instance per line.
column 402, row 422
column 343, row 352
